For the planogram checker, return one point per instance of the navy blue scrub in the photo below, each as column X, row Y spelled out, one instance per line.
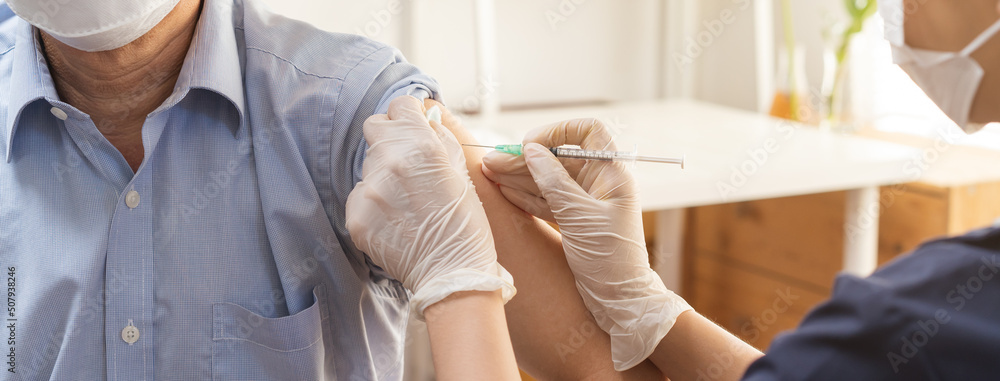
column 931, row 315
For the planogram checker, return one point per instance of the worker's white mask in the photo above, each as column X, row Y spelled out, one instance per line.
column 950, row 79
column 93, row 25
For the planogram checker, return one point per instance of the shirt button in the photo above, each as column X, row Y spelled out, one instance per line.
column 130, row 334
column 59, row 113
column 132, row 199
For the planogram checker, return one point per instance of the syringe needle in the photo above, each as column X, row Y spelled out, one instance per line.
column 477, row 145
column 666, row 160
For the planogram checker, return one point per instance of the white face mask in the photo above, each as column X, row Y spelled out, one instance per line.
column 950, row 79
column 93, row 25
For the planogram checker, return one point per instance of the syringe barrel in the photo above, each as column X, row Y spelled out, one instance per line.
column 575, row 153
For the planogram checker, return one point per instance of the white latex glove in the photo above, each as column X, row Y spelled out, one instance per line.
column 416, row 212
column 596, row 206
column 513, row 176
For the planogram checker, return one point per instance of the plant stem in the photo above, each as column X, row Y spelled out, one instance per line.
column 858, row 17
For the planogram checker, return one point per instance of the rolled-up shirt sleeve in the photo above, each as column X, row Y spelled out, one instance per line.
column 396, row 79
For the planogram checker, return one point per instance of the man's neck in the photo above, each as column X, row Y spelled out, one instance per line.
column 119, row 88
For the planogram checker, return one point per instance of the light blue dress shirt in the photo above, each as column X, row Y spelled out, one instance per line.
column 225, row 255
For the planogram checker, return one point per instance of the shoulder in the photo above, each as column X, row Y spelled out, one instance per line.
column 292, row 56
column 310, row 50
column 956, row 278
column 936, row 268
column 928, row 314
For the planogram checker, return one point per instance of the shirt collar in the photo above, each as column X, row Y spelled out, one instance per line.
column 213, row 60
column 212, row 63
column 30, row 79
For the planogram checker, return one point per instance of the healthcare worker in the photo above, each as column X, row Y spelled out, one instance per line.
column 415, row 185
column 933, row 314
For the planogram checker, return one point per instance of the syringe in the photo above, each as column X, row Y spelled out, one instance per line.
column 576, row 153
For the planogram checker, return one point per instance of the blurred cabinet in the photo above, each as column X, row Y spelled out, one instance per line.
column 758, row 267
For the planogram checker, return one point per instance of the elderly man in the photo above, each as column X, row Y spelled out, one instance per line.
column 172, row 198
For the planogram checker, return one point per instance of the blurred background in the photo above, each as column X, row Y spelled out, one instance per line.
column 809, row 153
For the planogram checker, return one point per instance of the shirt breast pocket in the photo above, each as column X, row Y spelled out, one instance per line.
column 247, row 346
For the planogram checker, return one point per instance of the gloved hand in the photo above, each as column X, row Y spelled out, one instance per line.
column 416, row 212
column 513, row 176
column 596, row 206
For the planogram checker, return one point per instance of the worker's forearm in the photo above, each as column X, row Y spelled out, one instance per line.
column 469, row 338
column 698, row 349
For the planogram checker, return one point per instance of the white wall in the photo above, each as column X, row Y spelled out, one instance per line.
column 550, row 52
column 726, row 68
